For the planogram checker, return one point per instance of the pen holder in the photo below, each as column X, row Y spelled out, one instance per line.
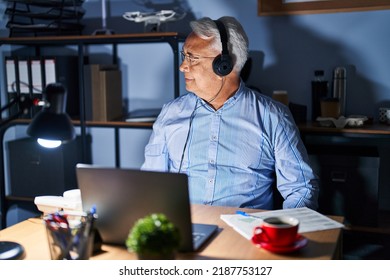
column 70, row 236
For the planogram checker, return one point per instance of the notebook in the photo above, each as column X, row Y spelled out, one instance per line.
column 122, row 196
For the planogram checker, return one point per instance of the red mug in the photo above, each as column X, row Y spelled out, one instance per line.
column 277, row 231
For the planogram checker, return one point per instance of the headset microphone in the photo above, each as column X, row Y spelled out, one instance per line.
column 222, row 64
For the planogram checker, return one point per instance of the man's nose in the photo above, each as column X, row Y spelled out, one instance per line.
column 184, row 66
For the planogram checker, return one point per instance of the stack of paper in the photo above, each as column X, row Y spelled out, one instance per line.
column 309, row 220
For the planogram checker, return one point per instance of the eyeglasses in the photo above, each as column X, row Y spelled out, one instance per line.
column 192, row 60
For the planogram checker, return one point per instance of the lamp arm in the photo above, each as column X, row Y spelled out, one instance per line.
column 24, row 102
column 9, row 119
column 11, row 103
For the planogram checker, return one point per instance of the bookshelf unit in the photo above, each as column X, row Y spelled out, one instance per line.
column 82, row 42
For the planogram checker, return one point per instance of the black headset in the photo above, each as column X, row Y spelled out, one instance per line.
column 222, row 64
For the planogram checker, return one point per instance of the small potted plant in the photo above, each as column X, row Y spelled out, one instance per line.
column 154, row 237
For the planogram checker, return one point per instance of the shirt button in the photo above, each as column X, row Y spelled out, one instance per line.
column 211, row 181
column 211, row 161
column 214, row 137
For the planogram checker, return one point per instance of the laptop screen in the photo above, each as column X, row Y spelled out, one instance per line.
column 122, row 196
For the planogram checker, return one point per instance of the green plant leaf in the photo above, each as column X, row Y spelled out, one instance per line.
column 153, row 234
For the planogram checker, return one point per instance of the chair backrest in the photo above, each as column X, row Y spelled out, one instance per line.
column 277, row 197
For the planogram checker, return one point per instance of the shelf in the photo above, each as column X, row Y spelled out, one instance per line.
column 114, row 124
column 49, row 3
column 81, row 42
column 151, row 37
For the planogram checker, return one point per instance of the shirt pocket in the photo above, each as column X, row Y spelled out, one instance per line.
column 155, row 158
column 155, row 150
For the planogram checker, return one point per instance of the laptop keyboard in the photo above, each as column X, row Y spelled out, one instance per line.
column 197, row 235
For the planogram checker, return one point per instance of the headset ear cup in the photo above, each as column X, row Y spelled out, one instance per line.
column 222, row 65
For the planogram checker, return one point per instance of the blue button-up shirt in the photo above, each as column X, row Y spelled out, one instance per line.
column 232, row 156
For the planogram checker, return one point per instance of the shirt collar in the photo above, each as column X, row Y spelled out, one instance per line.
column 233, row 99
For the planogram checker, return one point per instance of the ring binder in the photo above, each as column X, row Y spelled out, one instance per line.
column 29, row 75
column 24, row 82
column 36, row 76
column 10, row 69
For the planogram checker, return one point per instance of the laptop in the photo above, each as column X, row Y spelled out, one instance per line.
column 122, row 196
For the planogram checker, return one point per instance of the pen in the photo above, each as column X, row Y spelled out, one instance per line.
column 247, row 215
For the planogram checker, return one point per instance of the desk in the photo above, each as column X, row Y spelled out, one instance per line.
column 363, row 155
column 226, row 244
column 367, row 130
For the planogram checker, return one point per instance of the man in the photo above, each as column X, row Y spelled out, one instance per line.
column 231, row 141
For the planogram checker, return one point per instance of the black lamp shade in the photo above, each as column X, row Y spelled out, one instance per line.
column 50, row 126
column 52, row 122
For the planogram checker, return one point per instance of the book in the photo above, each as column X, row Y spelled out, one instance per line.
column 143, row 115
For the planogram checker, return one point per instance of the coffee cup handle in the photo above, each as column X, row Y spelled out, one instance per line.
column 260, row 233
column 257, row 230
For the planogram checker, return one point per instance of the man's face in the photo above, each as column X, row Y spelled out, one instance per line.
column 197, row 67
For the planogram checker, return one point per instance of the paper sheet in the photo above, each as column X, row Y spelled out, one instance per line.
column 309, row 220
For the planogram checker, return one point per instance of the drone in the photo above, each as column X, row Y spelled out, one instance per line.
column 153, row 17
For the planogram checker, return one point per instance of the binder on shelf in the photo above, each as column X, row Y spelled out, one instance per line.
column 10, row 72
column 12, row 82
column 23, row 74
column 28, row 75
column 50, row 71
column 24, row 81
column 103, row 92
column 36, row 75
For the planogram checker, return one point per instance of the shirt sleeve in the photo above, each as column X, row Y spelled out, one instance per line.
column 296, row 180
column 156, row 154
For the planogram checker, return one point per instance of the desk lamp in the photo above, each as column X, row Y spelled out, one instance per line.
column 52, row 126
